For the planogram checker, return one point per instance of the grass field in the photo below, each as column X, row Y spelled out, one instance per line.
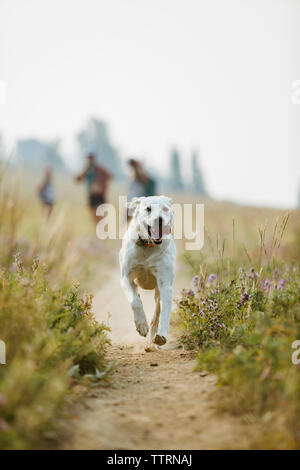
column 52, row 339
column 240, row 310
column 241, row 313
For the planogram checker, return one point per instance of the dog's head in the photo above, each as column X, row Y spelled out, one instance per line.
column 153, row 217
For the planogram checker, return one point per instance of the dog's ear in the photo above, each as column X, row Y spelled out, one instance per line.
column 135, row 201
column 167, row 199
column 133, row 205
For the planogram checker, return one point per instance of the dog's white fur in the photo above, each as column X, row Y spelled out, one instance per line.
column 149, row 265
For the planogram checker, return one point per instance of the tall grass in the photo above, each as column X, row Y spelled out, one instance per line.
column 242, row 314
column 52, row 339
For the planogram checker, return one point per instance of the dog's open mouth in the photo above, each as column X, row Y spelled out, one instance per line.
column 155, row 234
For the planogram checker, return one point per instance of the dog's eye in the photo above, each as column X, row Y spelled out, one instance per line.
column 148, row 209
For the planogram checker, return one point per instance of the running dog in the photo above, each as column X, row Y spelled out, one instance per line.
column 147, row 260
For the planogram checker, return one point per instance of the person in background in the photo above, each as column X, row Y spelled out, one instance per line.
column 46, row 192
column 141, row 183
column 97, row 179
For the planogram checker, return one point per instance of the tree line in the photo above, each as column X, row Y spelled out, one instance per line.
column 95, row 137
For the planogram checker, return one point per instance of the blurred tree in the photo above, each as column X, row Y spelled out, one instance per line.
column 175, row 170
column 95, row 138
column 37, row 154
column 299, row 195
column 198, row 182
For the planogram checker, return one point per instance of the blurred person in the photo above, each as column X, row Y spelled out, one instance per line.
column 46, row 192
column 97, row 179
column 141, row 183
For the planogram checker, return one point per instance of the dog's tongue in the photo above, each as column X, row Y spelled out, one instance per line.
column 166, row 230
column 155, row 233
column 158, row 233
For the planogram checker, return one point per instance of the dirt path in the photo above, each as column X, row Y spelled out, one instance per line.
column 155, row 401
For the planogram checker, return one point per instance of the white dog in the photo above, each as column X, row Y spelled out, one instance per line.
column 147, row 259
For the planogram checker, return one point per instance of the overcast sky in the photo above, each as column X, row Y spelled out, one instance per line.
column 215, row 75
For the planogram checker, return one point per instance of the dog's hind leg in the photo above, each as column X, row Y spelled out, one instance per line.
column 155, row 319
column 136, row 305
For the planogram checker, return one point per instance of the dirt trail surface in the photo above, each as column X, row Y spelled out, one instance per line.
column 155, row 400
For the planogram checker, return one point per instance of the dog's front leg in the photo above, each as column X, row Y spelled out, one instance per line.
column 136, row 305
column 155, row 319
column 166, row 294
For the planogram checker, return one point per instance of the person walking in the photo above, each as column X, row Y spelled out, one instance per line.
column 46, row 192
column 97, row 179
column 141, row 184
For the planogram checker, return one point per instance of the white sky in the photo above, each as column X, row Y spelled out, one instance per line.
column 209, row 74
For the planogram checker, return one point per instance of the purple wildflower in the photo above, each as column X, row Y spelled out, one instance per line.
column 188, row 292
column 244, row 297
column 276, row 273
column 212, row 277
column 267, row 285
column 281, row 283
column 252, row 273
column 196, row 281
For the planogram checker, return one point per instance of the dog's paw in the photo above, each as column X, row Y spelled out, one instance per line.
column 159, row 340
column 142, row 327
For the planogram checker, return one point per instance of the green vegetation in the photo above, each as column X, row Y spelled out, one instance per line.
column 243, row 320
column 241, row 314
column 52, row 339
